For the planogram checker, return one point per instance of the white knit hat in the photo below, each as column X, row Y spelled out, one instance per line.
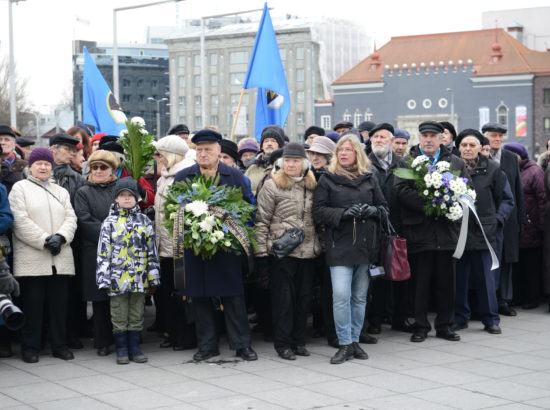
column 173, row 144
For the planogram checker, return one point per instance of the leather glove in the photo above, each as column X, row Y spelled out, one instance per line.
column 353, row 211
column 8, row 284
column 54, row 243
column 369, row 211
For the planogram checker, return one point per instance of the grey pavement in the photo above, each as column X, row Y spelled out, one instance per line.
column 508, row 371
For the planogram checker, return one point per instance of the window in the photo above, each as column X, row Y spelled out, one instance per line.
column 547, row 125
column 197, row 100
column 283, row 53
column 299, row 53
column 299, row 75
column 182, row 81
column 198, row 122
column 154, row 83
column 126, row 98
column 214, row 120
column 238, row 57
column 546, row 96
column 368, row 115
column 484, row 116
column 181, row 102
column 141, row 98
column 357, row 119
column 214, row 80
column 236, row 78
column 126, row 82
column 214, row 100
column 139, row 83
column 213, row 59
column 502, row 115
column 300, row 97
column 300, row 118
column 325, row 122
column 235, row 99
column 197, row 60
column 197, row 81
column 181, row 61
column 347, row 117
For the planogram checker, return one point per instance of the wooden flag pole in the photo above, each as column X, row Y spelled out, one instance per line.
column 232, row 136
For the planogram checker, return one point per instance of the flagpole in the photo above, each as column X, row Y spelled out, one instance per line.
column 232, row 136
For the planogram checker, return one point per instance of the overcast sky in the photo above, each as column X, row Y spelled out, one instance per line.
column 44, row 29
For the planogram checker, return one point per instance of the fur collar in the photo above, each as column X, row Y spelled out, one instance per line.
column 283, row 181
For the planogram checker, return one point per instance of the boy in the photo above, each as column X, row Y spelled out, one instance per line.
column 127, row 267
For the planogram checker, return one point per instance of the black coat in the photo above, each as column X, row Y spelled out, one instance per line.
column 69, row 179
column 92, row 204
column 385, row 180
column 426, row 233
column 223, row 274
column 488, row 184
column 510, row 165
column 353, row 241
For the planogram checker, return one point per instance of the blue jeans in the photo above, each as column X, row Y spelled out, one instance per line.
column 350, row 285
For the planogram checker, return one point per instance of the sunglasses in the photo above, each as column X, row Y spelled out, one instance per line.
column 102, row 167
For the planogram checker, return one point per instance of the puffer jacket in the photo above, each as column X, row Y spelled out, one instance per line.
column 163, row 238
column 127, row 257
column 40, row 210
column 281, row 204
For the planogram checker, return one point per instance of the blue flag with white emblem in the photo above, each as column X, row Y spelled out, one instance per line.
column 99, row 105
column 267, row 74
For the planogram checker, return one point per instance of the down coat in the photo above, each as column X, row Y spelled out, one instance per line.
column 40, row 210
column 534, row 193
column 281, row 204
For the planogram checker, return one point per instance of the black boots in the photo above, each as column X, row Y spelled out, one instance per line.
column 344, row 353
column 121, row 343
column 134, row 352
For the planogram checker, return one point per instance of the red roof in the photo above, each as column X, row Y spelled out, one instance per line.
column 479, row 46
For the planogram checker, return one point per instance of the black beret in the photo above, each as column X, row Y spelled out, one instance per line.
column 112, row 146
column 63, row 139
column 342, row 124
column 495, row 127
column 179, row 129
column 230, row 148
column 468, row 132
column 5, row 130
column 430, row 126
column 450, row 127
column 108, row 138
column 382, row 126
column 366, row 126
column 484, row 141
column 24, row 142
column 275, row 155
column 314, row 129
column 206, row 136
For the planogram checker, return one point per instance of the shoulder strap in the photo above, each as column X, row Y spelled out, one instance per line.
column 45, row 189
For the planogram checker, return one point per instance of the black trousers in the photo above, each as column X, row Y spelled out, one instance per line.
column 433, row 270
column 326, row 304
column 291, row 286
column 527, row 276
column 163, row 293
column 403, row 300
column 236, row 322
column 51, row 293
column 103, row 328
column 77, row 318
column 379, row 307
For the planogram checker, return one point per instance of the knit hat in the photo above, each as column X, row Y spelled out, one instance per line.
column 294, row 150
column 103, row 156
column 127, row 184
column 314, row 129
column 40, row 154
column 97, row 137
column 173, row 144
column 517, row 148
column 275, row 132
column 249, row 146
column 322, row 145
column 230, row 148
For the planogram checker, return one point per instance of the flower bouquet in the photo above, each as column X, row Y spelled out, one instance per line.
column 208, row 217
column 439, row 187
column 138, row 147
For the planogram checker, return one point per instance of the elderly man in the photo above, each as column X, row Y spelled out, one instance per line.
column 11, row 167
column 273, row 138
column 508, row 249
column 430, row 240
column 400, row 142
column 64, row 149
column 342, row 126
column 219, row 278
column 181, row 130
column 311, row 133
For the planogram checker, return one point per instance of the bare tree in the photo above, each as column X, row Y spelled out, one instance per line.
column 24, row 110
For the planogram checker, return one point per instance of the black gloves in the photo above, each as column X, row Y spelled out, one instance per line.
column 8, row 284
column 353, row 211
column 369, row 211
column 54, row 243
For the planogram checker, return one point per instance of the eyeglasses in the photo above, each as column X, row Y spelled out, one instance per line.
column 346, row 150
column 102, row 167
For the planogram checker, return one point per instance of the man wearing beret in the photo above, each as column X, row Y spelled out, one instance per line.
column 311, row 133
column 24, row 146
column 508, row 245
column 273, row 138
column 342, row 126
column 64, row 149
column 11, row 167
column 400, row 143
column 181, row 130
column 216, row 281
column 431, row 241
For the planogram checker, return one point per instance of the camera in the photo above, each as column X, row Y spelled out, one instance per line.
column 10, row 314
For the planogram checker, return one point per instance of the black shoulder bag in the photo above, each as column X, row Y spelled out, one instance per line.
column 291, row 239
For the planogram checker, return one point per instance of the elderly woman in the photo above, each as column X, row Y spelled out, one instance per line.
column 347, row 202
column 44, row 226
column 92, row 204
column 319, row 154
column 170, row 313
column 284, row 202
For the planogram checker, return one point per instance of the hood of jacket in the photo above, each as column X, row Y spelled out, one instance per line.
column 283, row 181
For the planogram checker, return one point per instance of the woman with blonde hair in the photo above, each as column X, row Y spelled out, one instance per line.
column 347, row 202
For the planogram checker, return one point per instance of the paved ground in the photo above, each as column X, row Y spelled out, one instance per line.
column 510, row 371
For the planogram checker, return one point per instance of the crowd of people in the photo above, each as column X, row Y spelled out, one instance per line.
column 81, row 230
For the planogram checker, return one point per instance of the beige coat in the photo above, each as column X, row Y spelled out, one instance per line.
column 280, row 207
column 38, row 214
column 163, row 237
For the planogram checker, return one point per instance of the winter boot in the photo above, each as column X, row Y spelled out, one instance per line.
column 121, row 343
column 345, row 352
column 136, row 355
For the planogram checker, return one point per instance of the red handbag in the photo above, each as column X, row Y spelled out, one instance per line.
column 393, row 254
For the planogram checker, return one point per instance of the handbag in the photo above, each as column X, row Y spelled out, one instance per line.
column 291, row 239
column 393, row 254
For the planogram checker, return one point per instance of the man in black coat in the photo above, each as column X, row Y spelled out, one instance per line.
column 430, row 241
column 217, row 281
column 509, row 248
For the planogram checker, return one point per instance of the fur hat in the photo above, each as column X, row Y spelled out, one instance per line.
column 173, row 144
column 106, row 157
column 294, row 150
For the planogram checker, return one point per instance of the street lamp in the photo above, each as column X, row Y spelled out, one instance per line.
column 158, row 112
column 13, row 106
column 115, row 45
column 450, row 90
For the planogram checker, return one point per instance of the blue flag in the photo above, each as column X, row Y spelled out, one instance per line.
column 267, row 74
column 100, row 107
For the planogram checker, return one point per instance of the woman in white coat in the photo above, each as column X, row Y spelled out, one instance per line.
column 44, row 226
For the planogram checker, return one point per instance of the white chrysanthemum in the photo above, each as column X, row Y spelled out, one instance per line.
column 219, row 235
column 419, row 160
column 428, row 180
column 443, row 166
column 446, row 198
column 443, row 206
column 437, row 179
column 198, row 208
column 210, row 220
column 426, row 192
column 123, row 133
column 227, row 243
column 436, row 193
column 205, row 227
column 143, row 131
column 213, row 240
column 472, row 193
column 138, row 121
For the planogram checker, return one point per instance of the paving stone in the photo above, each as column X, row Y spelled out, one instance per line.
column 507, row 390
column 139, row 399
column 238, row 403
column 397, row 383
column 400, row 402
column 460, row 398
column 80, row 403
column 348, row 390
column 193, row 391
column 443, row 375
column 297, row 398
column 61, row 371
column 297, row 376
column 246, row 383
column 98, row 384
column 38, row 392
